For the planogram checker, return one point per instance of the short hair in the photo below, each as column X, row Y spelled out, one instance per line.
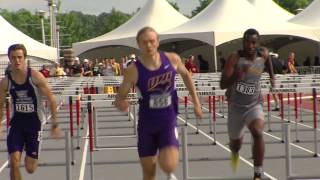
column 15, row 47
column 145, row 29
column 250, row 32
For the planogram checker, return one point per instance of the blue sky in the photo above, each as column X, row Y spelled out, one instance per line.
column 92, row 6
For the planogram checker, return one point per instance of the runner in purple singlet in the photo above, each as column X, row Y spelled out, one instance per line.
column 153, row 75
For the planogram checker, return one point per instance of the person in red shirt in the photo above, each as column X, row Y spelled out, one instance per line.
column 45, row 71
column 191, row 65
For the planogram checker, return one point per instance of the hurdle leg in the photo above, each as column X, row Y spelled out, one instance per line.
column 134, row 120
column 223, row 110
column 95, row 127
column 296, row 117
column 185, row 163
column 300, row 104
column 315, row 121
column 214, row 119
column 288, row 110
column 68, row 155
column 269, row 113
column 288, row 150
column 186, row 110
column 282, row 117
column 210, row 117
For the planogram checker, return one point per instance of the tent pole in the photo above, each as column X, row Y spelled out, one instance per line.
column 215, row 54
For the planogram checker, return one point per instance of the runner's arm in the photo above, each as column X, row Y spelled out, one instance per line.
column 268, row 64
column 229, row 74
column 129, row 79
column 3, row 94
column 44, row 88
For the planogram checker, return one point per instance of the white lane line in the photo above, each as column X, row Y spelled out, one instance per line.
column 4, row 166
column 276, row 137
column 43, row 123
column 224, row 147
column 292, row 144
column 84, row 156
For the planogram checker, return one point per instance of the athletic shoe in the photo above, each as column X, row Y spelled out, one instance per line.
column 256, row 176
column 276, row 109
column 234, row 161
column 172, row 177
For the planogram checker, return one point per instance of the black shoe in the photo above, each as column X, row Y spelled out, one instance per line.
column 276, row 109
column 256, row 176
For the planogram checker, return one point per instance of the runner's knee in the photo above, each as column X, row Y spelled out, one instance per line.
column 30, row 165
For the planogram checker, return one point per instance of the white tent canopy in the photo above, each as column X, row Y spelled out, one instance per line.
column 10, row 35
column 226, row 20
column 271, row 9
column 310, row 16
column 158, row 14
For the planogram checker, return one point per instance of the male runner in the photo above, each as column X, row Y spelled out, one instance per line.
column 241, row 77
column 25, row 86
column 154, row 76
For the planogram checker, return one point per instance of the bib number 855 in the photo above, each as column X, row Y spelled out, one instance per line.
column 160, row 101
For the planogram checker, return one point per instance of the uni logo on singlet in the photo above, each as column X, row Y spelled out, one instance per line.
column 162, row 79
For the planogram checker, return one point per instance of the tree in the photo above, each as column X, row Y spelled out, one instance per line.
column 174, row 5
column 203, row 4
column 293, row 5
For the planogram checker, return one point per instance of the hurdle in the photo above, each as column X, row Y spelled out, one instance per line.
column 315, row 112
column 93, row 136
column 67, row 148
column 185, row 164
column 104, row 103
column 288, row 160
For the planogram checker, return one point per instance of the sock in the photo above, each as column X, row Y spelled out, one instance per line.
column 258, row 170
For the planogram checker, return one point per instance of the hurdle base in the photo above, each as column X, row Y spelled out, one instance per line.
column 222, row 178
column 295, row 177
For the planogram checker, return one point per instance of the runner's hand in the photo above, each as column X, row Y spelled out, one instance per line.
column 273, row 82
column 198, row 112
column 56, row 132
column 122, row 105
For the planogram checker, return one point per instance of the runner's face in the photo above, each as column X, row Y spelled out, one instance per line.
column 17, row 59
column 250, row 44
column 148, row 43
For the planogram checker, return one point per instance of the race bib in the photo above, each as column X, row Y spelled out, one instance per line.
column 247, row 89
column 160, row 101
column 25, row 108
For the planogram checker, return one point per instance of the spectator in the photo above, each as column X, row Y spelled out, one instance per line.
column 203, row 64
column 116, row 66
column 45, row 71
column 190, row 65
column 316, row 61
column 124, row 61
column 87, row 69
column 132, row 59
column 222, row 63
column 108, row 69
column 76, row 69
column 291, row 63
column 307, row 62
column 277, row 69
column 57, row 71
column 97, row 70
